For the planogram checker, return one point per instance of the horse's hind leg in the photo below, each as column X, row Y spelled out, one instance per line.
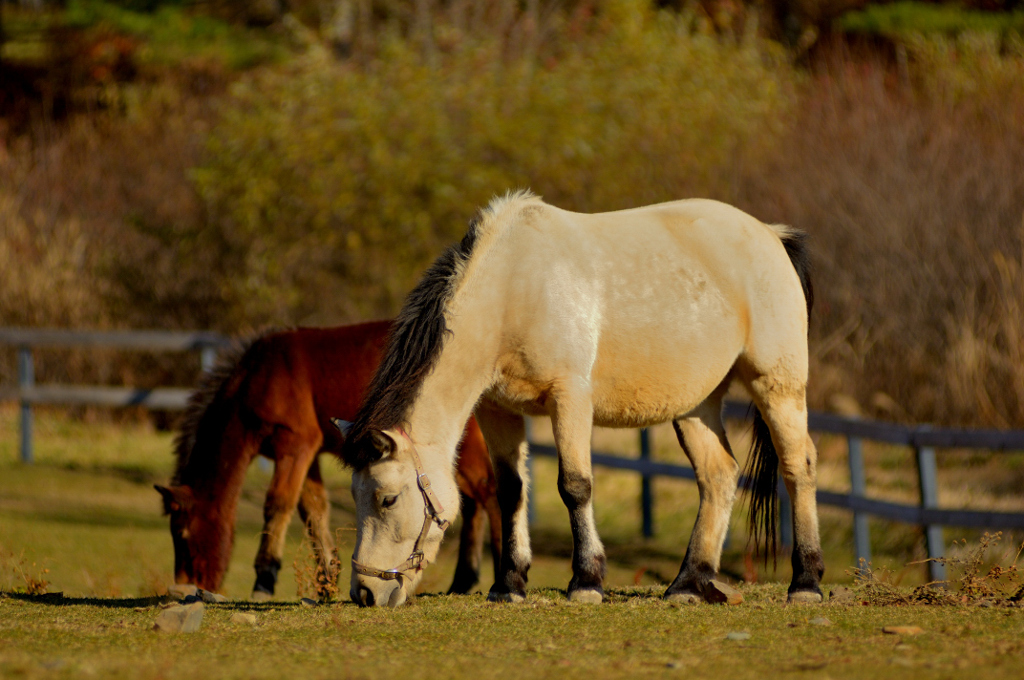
column 506, row 441
column 785, row 412
column 293, row 454
column 702, row 436
column 314, row 509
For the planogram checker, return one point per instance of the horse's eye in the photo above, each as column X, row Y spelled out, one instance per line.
column 388, row 501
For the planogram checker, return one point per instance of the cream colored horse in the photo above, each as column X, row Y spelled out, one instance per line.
column 622, row 319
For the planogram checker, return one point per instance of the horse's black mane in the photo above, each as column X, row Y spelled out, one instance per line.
column 413, row 347
column 200, row 401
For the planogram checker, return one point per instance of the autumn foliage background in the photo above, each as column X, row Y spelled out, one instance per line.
column 167, row 166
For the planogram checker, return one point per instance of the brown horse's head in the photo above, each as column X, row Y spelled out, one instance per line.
column 202, row 537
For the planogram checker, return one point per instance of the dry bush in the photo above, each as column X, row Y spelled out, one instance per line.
column 328, row 187
column 911, row 188
column 83, row 209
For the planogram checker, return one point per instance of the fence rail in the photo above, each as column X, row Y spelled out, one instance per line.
column 923, row 439
column 28, row 393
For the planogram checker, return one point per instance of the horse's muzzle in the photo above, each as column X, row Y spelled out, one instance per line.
column 390, row 594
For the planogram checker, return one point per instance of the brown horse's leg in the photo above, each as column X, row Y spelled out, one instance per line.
column 478, row 491
column 293, row 454
column 467, row 571
column 493, row 510
column 314, row 509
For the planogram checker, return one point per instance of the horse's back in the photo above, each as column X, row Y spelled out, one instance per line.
column 303, row 377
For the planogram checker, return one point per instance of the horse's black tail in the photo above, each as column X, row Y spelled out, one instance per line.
column 795, row 242
column 762, row 470
column 762, row 483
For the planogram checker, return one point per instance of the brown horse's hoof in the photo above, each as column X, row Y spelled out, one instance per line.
column 683, row 598
column 514, row 598
column 803, row 597
column 586, row 595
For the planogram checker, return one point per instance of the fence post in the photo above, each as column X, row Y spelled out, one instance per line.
column 785, row 516
column 26, row 379
column 646, row 494
column 207, row 358
column 936, row 545
column 858, row 488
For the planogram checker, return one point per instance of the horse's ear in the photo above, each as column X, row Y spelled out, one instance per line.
column 383, row 442
column 175, row 498
column 344, row 426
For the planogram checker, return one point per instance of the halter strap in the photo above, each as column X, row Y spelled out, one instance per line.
column 432, row 510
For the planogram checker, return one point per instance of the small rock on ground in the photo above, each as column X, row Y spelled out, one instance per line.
column 180, row 590
column 903, row 630
column 738, row 635
column 180, row 618
column 243, row 619
column 307, row 602
column 211, row 598
column 820, row 621
column 717, row 592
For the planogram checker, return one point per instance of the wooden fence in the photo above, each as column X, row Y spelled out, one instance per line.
column 923, row 439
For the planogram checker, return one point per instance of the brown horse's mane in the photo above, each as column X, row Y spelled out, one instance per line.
column 412, row 349
column 203, row 398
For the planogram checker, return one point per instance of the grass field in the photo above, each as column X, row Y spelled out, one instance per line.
column 636, row 634
column 85, row 520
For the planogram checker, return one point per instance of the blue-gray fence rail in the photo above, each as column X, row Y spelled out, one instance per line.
column 922, row 438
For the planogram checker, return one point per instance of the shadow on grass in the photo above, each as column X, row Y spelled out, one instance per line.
column 61, row 600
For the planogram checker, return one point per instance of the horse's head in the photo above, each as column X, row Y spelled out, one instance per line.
column 402, row 508
column 202, row 541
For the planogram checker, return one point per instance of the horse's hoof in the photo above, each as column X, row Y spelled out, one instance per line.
column 804, row 597
column 586, row 595
column 514, row 598
column 683, row 598
column 260, row 596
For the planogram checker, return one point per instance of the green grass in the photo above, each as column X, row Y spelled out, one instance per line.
column 635, row 634
column 85, row 518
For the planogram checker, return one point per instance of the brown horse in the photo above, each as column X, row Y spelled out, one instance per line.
column 273, row 397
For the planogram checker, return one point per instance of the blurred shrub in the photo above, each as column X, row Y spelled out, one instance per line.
column 171, row 34
column 911, row 187
column 909, row 18
column 329, row 186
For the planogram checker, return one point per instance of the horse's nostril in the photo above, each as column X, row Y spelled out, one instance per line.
column 365, row 597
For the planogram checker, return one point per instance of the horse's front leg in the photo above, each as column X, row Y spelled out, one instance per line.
column 315, row 511
column 702, row 436
column 573, row 421
column 505, row 434
column 293, row 453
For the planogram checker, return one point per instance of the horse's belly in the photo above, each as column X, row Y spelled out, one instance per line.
column 652, row 395
column 644, row 378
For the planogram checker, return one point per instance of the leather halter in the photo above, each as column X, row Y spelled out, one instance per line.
column 432, row 510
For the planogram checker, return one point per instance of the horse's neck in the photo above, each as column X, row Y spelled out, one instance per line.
column 463, row 372
column 216, row 469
